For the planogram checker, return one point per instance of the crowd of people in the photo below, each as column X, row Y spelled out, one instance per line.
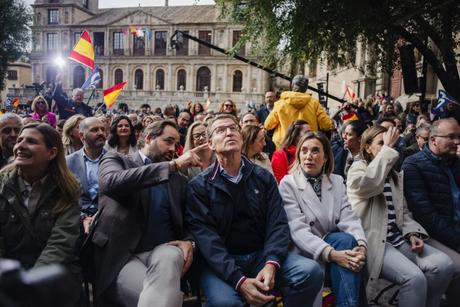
column 240, row 206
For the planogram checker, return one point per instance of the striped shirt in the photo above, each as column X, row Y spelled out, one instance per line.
column 394, row 235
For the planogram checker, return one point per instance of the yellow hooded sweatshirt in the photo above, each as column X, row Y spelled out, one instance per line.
column 291, row 107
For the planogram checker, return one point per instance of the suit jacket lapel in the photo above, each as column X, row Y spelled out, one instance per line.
column 144, row 193
column 81, row 169
column 310, row 200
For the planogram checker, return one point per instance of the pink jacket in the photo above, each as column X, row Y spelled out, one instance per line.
column 51, row 118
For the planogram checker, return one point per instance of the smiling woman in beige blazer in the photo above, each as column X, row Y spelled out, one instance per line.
column 397, row 252
column 322, row 224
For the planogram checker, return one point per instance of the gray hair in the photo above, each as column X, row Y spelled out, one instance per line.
column 299, row 83
column 9, row 116
column 435, row 126
column 422, row 128
column 76, row 90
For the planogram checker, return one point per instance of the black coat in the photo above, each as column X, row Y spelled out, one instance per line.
column 124, row 184
column 210, row 210
column 429, row 197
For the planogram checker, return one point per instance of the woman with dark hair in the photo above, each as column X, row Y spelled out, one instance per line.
column 40, row 216
column 413, row 110
column 40, row 111
column 197, row 108
column 323, row 225
column 253, row 146
column 248, row 118
column 122, row 136
column 283, row 158
column 345, row 152
column 228, row 106
column 396, row 252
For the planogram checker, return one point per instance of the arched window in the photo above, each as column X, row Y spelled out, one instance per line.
column 118, row 76
column 51, row 75
column 160, row 79
column 203, row 79
column 139, row 79
column 78, row 76
column 237, row 81
column 101, row 83
column 181, row 79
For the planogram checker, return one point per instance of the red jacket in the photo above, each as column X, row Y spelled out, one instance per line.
column 281, row 162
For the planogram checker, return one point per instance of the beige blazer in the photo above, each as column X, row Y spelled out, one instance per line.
column 311, row 219
column 365, row 192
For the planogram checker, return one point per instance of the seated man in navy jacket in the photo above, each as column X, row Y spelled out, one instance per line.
column 237, row 218
column 432, row 190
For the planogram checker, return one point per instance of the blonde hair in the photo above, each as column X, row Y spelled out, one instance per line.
column 222, row 108
column 69, row 125
column 189, row 138
column 34, row 103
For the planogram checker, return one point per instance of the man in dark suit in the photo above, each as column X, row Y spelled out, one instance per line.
column 84, row 164
column 141, row 246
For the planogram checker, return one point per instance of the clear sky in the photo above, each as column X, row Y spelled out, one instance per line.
column 131, row 3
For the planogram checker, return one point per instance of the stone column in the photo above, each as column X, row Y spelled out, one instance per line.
column 169, row 80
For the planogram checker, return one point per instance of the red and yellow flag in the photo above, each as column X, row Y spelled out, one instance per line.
column 111, row 94
column 83, row 52
column 16, row 102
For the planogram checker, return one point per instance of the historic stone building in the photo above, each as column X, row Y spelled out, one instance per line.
column 133, row 45
column 18, row 75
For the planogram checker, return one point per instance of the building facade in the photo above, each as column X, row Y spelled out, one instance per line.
column 133, row 45
column 18, row 75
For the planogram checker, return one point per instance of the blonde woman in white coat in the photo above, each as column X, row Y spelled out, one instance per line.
column 397, row 252
column 322, row 223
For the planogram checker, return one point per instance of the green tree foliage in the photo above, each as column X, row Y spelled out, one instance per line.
column 15, row 18
column 302, row 30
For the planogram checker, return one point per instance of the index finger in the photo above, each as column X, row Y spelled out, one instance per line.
column 200, row 147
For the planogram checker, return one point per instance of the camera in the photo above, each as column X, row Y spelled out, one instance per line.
column 50, row 285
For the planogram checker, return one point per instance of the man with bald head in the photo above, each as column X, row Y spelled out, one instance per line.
column 432, row 191
column 84, row 164
column 68, row 107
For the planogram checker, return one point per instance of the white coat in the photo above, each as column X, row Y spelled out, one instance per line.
column 311, row 219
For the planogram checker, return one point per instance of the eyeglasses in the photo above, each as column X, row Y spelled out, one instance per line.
column 198, row 136
column 223, row 129
column 450, row 136
column 8, row 130
column 228, row 106
column 40, row 101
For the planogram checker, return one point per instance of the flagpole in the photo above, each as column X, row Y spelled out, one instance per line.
column 91, row 96
column 99, row 108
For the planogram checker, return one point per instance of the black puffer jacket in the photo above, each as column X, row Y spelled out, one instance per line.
column 429, row 196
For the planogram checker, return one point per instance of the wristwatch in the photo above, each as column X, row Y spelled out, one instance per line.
column 193, row 244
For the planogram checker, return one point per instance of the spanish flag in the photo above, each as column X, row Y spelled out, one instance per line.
column 111, row 94
column 352, row 116
column 16, row 102
column 83, row 52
